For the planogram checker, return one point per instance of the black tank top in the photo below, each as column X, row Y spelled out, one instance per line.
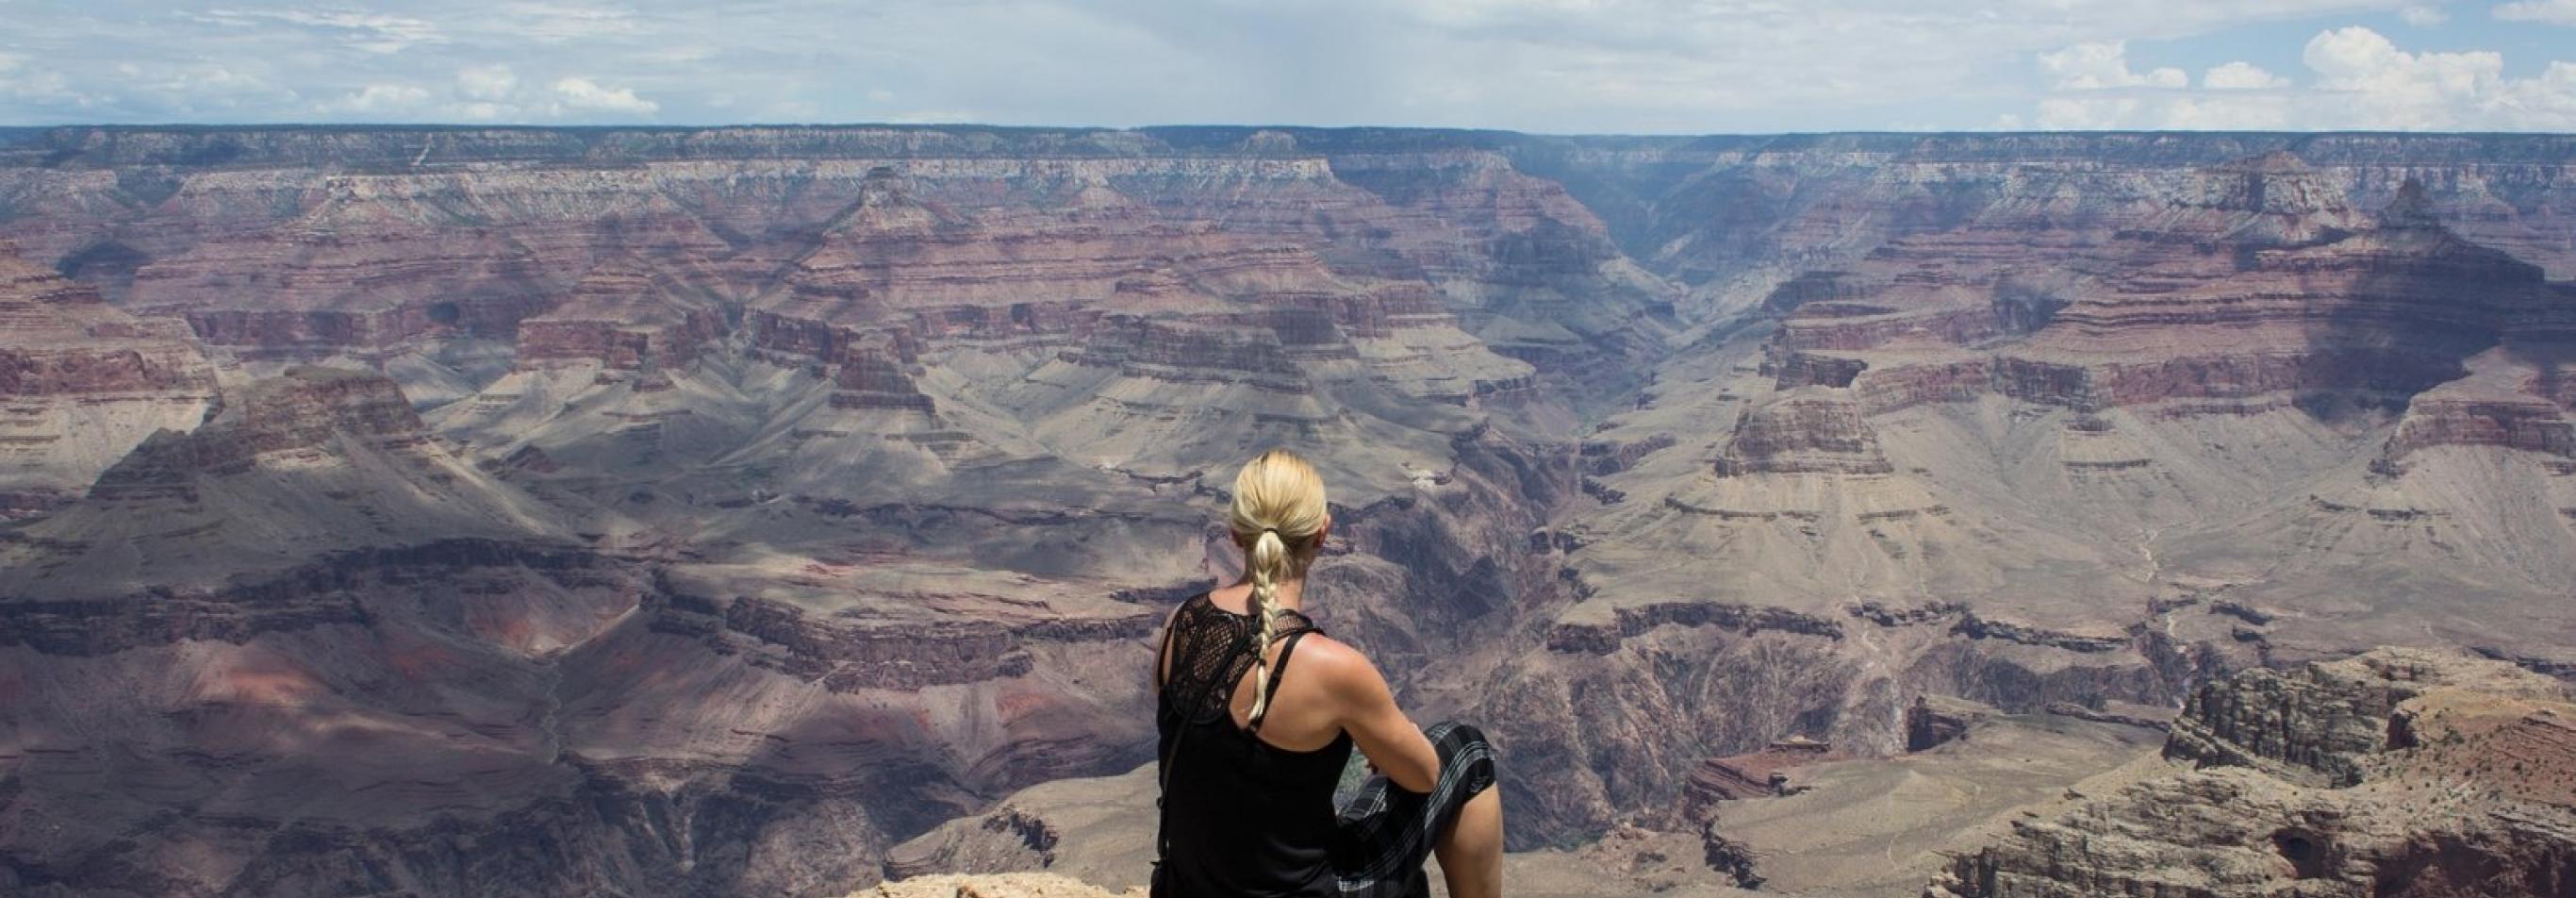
column 1240, row 816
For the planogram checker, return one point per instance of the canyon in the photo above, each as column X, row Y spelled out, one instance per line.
column 529, row 511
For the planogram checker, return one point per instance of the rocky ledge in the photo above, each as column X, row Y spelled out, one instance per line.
column 1008, row 885
column 2397, row 772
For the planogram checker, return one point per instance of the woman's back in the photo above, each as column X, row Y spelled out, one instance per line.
column 1242, row 815
column 1255, row 733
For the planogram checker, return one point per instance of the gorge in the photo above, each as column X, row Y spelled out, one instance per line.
column 531, row 511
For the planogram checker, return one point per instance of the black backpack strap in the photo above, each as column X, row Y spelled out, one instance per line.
column 1286, row 648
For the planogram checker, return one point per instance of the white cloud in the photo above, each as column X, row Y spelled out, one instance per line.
column 50, row 88
column 10, row 62
column 2555, row 12
column 2423, row 16
column 2229, row 112
column 374, row 33
column 2241, row 76
column 2362, row 80
column 2389, row 88
column 2105, row 64
column 378, row 99
column 2549, row 98
column 2087, row 113
column 585, row 94
column 557, row 23
column 486, row 82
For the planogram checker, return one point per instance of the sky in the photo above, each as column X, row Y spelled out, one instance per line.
column 1548, row 66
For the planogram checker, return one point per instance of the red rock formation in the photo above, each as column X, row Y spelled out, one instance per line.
column 80, row 383
column 63, row 341
column 2505, row 402
column 306, row 411
column 1804, row 432
column 623, row 317
column 2259, row 280
column 1754, row 775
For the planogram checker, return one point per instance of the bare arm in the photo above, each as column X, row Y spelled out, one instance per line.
column 1385, row 735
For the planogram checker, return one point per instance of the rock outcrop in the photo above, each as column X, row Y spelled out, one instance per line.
column 81, row 383
column 2398, row 772
column 1758, row 774
column 1928, row 726
column 1810, row 433
column 2329, row 718
column 316, row 463
column 1006, row 885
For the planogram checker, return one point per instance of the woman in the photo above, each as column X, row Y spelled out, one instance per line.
column 1251, row 753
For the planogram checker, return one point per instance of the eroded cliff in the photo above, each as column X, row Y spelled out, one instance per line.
column 2398, row 772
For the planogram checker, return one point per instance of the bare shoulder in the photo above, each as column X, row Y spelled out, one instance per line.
column 1338, row 665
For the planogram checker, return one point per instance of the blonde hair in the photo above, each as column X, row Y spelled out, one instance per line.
column 1278, row 515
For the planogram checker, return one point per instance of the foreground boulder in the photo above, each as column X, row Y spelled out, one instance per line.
column 1006, row 885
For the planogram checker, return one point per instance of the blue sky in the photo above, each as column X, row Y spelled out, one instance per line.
column 1565, row 66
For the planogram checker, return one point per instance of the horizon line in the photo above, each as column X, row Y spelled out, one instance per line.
column 1432, row 129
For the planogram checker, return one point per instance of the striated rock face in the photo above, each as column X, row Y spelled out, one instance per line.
column 2505, row 402
column 1758, row 774
column 2444, row 775
column 2232, row 832
column 1804, row 434
column 2259, row 278
column 308, row 410
column 82, row 382
column 2331, row 718
column 293, row 469
column 626, row 317
column 314, row 590
column 2526, row 423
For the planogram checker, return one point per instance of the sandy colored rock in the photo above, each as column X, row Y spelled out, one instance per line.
column 2441, row 775
column 1002, row 885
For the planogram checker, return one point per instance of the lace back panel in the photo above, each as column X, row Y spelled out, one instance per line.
column 1211, row 650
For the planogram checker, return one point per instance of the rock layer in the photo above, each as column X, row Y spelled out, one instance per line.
column 81, row 383
column 2443, row 776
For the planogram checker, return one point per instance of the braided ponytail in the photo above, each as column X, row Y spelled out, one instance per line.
column 1278, row 513
column 1268, row 564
